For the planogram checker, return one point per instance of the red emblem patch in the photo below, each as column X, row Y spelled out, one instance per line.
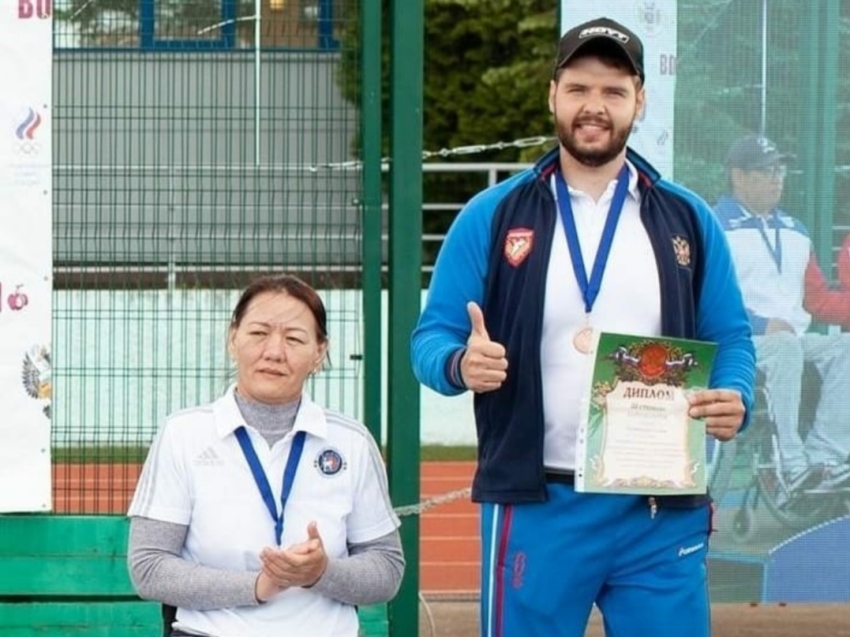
column 653, row 360
column 518, row 244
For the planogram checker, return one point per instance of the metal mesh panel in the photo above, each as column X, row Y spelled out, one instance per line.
column 184, row 166
column 736, row 64
column 771, row 67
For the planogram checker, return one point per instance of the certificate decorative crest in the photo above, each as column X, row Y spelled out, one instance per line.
column 636, row 435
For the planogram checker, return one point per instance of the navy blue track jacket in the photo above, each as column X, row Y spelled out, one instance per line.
column 700, row 299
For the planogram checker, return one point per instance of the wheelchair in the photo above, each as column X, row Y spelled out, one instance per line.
column 754, row 455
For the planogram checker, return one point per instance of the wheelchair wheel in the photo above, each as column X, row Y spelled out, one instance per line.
column 744, row 526
column 796, row 511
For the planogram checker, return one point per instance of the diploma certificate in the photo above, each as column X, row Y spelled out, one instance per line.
column 635, row 435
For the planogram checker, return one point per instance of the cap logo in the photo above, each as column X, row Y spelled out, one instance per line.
column 766, row 145
column 611, row 33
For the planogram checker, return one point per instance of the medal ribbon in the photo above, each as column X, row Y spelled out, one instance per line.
column 590, row 288
column 263, row 482
column 775, row 249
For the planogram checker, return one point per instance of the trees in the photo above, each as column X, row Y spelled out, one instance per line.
column 487, row 64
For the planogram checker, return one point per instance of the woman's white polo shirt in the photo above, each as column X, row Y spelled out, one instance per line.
column 197, row 475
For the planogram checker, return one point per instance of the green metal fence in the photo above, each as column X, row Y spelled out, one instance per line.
column 194, row 150
column 198, row 145
column 773, row 67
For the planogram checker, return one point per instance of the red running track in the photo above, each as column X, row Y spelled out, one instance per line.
column 449, row 545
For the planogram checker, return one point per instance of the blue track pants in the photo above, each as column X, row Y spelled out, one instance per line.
column 545, row 564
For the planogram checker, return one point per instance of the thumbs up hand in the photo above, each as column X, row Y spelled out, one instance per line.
column 484, row 364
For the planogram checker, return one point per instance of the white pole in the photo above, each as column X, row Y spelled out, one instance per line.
column 257, row 14
column 763, row 114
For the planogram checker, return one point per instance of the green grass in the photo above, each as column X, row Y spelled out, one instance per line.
column 134, row 454
column 100, row 454
column 430, row 453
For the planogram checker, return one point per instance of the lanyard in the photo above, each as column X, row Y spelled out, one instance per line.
column 263, row 482
column 590, row 289
column 775, row 249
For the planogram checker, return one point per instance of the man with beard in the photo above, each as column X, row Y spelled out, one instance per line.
column 510, row 315
column 783, row 289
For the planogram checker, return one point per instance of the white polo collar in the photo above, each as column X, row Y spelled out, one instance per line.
column 633, row 191
column 310, row 417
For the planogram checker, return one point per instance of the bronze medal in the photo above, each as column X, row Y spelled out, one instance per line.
column 583, row 339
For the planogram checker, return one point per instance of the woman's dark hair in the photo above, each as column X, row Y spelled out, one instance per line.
column 284, row 284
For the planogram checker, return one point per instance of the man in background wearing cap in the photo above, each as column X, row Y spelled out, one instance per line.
column 590, row 239
column 783, row 288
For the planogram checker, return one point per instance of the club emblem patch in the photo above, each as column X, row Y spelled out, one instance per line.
column 518, row 244
column 682, row 250
column 329, row 462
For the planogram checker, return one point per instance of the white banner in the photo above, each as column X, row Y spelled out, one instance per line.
column 26, row 260
column 654, row 22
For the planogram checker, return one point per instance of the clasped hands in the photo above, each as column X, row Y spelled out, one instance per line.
column 484, row 367
column 301, row 565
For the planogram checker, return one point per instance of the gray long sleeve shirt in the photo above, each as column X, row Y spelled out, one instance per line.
column 371, row 572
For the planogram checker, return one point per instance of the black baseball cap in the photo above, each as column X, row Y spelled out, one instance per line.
column 601, row 30
column 754, row 152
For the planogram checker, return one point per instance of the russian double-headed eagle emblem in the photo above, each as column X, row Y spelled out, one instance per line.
column 682, row 250
column 36, row 375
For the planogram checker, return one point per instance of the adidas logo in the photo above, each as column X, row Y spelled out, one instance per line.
column 208, row 458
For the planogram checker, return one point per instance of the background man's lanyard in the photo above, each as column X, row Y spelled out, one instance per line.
column 263, row 482
column 775, row 249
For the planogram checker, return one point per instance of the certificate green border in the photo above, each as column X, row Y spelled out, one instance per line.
column 607, row 373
